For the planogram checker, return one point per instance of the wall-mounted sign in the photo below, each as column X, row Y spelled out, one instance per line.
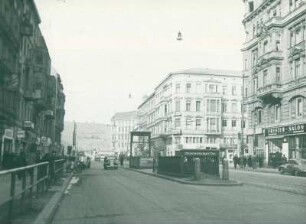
column 21, row 134
column 284, row 130
column 9, row 133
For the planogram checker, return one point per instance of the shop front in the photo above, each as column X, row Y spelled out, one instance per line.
column 288, row 140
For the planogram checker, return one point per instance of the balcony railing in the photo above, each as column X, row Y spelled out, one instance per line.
column 269, row 90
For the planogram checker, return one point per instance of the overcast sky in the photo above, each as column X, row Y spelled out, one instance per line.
column 106, row 50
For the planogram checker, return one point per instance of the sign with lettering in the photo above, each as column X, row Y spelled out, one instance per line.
column 8, row 133
column 283, row 130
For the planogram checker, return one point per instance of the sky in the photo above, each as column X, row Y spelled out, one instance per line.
column 111, row 53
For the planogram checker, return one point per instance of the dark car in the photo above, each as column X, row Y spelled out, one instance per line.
column 296, row 167
column 111, row 162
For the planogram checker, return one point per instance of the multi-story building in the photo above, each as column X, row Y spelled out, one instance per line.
column 25, row 111
column 194, row 109
column 275, row 77
column 122, row 124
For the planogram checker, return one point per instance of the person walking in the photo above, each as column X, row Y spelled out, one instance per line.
column 236, row 160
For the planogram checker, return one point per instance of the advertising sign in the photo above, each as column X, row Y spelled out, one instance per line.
column 8, row 133
column 284, row 130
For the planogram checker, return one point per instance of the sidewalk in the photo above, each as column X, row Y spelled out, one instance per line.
column 205, row 180
column 250, row 169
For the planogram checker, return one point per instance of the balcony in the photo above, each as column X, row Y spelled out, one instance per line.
column 49, row 113
column 29, row 125
column 270, row 93
column 28, row 95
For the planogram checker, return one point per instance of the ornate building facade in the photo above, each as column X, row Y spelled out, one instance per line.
column 194, row 109
column 275, row 77
column 30, row 98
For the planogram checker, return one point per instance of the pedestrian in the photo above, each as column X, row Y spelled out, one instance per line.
column 21, row 162
column 121, row 159
column 244, row 161
column 236, row 161
column 284, row 159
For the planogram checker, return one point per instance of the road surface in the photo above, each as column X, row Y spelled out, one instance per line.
column 124, row 196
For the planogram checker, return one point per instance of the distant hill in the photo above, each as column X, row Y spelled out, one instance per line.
column 90, row 136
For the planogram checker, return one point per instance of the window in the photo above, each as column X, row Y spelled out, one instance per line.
column 177, row 122
column 212, row 88
column 213, row 106
column 291, row 68
column 188, row 105
column 188, row 123
column 224, row 90
column 298, row 36
column 259, row 116
column 277, row 112
column 265, row 47
column 177, row 88
column 198, row 105
column 297, row 68
column 177, row 140
column 292, row 42
column 198, row 123
column 224, row 107
column 299, row 106
column 234, row 107
column 234, row 90
column 265, row 75
column 278, row 75
column 245, row 65
column 188, row 87
column 234, row 123
column 277, row 45
column 224, row 123
column 212, row 125
column 251, row 6
column 178, row 106
column 254, row 57
column 198, row 88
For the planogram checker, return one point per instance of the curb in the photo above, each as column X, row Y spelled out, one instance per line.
column 256, row 171
column 47, row 214
column 237, row 183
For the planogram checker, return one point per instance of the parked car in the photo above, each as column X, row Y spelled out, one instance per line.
column 111, row 162
column 97, row 158
column 295, row 167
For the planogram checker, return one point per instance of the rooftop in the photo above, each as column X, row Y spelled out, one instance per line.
column 125, row 115
column 208, row 71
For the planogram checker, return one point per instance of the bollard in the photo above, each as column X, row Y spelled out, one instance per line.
column 154, row 165
column 197, row 169
column 225, row 171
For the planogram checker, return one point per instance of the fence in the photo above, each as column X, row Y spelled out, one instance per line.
column 18, row 185
column 183, row 165
column 141, row 162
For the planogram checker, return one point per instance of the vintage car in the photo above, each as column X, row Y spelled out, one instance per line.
column 296, row 167
column 111, row 162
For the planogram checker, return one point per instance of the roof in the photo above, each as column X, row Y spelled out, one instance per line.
column 125, row 115
column 208, row 71
column 203, row 71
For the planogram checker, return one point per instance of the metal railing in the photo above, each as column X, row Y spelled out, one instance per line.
column 19, row 184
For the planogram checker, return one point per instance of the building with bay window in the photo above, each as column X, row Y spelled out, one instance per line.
column 275, row 77
column 194, row 109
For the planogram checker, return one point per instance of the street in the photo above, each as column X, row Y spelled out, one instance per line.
column 124, row 196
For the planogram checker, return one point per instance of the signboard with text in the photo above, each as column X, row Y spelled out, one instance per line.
column 285, row 130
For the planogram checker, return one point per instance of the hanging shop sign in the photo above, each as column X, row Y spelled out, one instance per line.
column 285, row 130
column 21, row 134
column 9, row 133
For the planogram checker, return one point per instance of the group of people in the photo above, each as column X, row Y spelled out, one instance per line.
column 250, row 161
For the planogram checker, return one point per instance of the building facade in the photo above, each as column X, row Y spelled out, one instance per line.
column 275, row 77
column 27, row 101
column 194, row 109
column 121, row 125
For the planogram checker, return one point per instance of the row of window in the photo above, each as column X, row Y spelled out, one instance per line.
column 212, row 106
column 124, row 129
column 296, row 110
column 209, row 88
